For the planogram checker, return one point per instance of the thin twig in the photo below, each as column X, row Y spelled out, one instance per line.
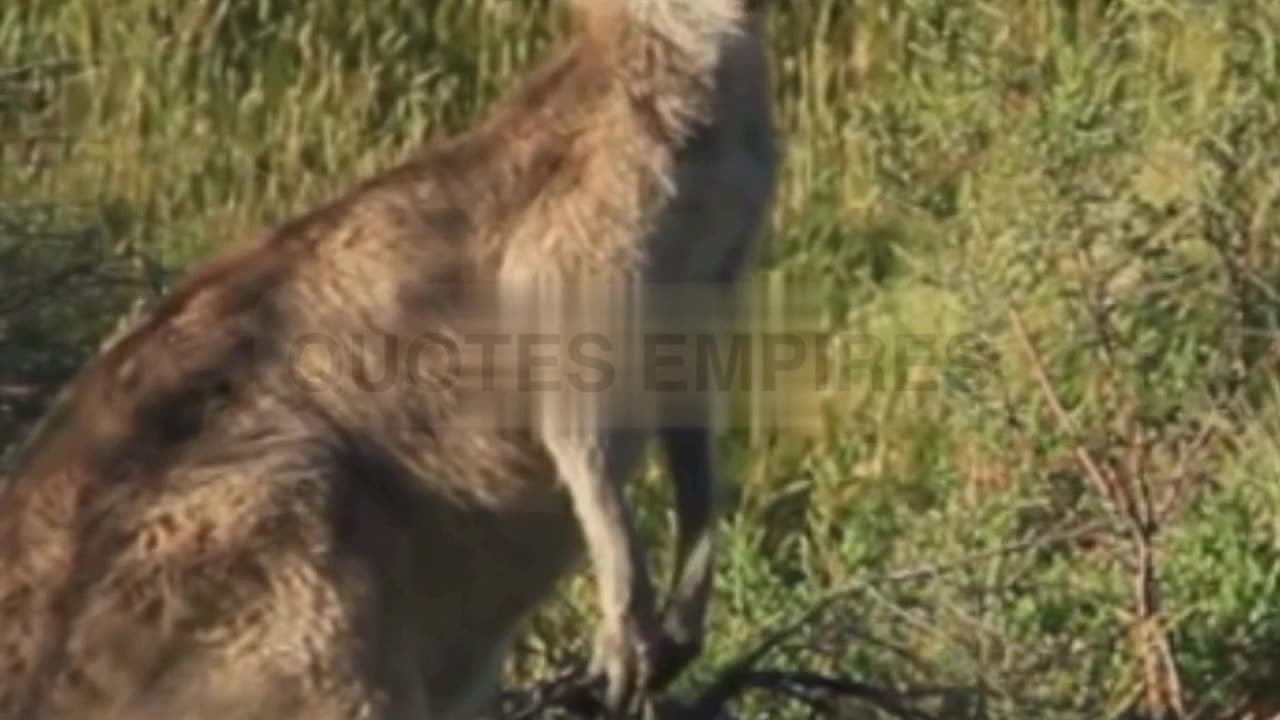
column 886, row 700
column 1092, row 471
column 574, row 692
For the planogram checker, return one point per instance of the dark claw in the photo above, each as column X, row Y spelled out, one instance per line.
column 674, row 657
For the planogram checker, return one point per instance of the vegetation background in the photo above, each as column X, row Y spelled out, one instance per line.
column 1085, row 523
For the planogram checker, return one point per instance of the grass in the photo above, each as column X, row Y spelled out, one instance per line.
column 1102, row 174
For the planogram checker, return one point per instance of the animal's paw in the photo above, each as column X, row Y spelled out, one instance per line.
column 679, row 647
column 628, row 655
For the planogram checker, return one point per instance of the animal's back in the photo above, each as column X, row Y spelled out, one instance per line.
column 210, row 532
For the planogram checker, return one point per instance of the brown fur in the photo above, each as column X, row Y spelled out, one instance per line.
column 195, row 535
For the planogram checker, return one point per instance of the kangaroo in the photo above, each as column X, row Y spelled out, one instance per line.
column 234, row 512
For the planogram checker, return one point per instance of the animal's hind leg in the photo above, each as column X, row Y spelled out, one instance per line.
column 477, row 696
column 246, row 657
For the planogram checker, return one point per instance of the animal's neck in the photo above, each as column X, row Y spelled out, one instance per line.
column 606, row 117
column 694, row 32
